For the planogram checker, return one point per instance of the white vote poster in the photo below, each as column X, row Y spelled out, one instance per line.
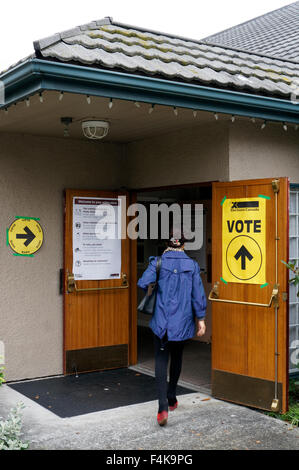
column 96, row 238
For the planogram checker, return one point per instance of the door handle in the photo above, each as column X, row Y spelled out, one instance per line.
column 214, row 297
column 72, row 286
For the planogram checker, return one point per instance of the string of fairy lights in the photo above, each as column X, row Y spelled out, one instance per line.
column 151, row 109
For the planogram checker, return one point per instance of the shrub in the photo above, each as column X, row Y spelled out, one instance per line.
column 295, row 269
column 10, row 430
column 1, row 372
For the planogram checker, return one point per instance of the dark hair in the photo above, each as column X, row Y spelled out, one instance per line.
column 175, row 242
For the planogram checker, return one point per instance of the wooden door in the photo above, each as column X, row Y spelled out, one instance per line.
column 250, row 342
column 96, row 318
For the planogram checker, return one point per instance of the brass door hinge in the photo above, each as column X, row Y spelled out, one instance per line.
column 275, row 186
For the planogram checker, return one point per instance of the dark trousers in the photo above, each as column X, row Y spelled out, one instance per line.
column 162, row 351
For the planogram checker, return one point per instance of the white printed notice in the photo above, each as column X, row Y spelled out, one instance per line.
column 96, row 238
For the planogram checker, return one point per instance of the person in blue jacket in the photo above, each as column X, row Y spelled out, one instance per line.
column 179, row 315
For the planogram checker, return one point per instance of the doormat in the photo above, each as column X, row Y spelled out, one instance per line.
column 69, row 395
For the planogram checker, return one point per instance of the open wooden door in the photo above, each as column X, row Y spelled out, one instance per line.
column 249, row 299
column 96, row 281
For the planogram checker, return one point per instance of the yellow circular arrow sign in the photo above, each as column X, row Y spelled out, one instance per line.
column 25, row 236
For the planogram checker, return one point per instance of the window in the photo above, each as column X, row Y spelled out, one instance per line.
column 294, row 256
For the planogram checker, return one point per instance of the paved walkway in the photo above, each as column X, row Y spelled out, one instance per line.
column 200, row 422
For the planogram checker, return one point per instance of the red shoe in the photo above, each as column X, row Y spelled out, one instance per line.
column 172, row 408
column 162, row 418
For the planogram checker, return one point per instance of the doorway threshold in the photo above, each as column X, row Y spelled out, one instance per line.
column 197, row 388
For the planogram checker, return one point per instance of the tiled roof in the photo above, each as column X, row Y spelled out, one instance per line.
column 120, row 47
column 275, row 34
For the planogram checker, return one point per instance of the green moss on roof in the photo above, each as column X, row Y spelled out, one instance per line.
column 146, row 44
column 123, row 32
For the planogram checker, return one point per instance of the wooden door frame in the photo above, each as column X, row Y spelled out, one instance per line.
column 132, row 352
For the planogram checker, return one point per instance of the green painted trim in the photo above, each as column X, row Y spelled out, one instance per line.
column 223, row 280
column 27, row 218
column 36, row 75
column 18, row 254
column 264, row 285
column 223, row 200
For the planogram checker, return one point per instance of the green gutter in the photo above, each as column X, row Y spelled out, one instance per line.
column 36, row 75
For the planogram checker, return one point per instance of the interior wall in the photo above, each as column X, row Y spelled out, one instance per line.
column 267, row 153
column 193, row 155
column 34, row 173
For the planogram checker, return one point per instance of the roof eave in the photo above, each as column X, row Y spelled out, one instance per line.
column 37, row 75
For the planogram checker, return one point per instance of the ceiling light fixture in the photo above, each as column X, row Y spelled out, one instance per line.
column 95, row 130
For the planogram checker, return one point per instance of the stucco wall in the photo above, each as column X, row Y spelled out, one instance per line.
column 34, row 172
column 190, row 155
column 267, row 153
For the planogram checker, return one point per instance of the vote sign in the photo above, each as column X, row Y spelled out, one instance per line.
column 244, row 240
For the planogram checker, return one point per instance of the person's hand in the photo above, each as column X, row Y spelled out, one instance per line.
column 201, row 328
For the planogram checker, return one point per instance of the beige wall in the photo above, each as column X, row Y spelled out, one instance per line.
column 267, row 153
column 191, row 155
column 34, row 172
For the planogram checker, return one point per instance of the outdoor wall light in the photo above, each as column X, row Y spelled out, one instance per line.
column 95, row 129
column 151, row 109
column 66, row 121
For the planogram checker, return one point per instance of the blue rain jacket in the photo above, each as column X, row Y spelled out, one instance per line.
column 180, row 295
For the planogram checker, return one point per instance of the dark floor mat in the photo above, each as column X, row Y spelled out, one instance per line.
column 95, row 391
